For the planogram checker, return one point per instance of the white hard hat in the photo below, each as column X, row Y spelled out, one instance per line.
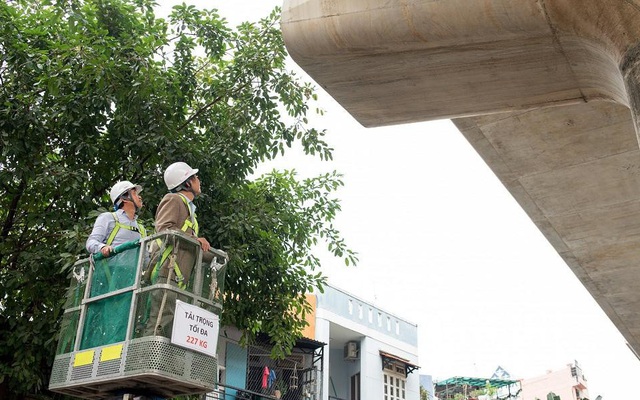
column 121, row 188
column 177, row 173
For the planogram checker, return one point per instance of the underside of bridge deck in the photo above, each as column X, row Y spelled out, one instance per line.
column 547, row 92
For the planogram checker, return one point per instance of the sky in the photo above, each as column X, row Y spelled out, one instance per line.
column 442, row 244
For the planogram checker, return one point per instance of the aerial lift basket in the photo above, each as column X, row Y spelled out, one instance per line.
column 135, row 324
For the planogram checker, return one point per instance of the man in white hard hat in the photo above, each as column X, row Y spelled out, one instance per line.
column 114, row 228
column 176, row 212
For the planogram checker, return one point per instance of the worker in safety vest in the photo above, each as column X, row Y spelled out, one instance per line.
column 113, row 228
column 176, row 212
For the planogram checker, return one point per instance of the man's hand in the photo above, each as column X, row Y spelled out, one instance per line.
column 204, row 244
column 106, row 250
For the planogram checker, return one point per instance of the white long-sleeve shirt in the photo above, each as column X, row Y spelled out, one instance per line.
column 104, row 225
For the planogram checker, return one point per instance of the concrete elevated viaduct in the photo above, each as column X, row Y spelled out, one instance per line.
column 547, row 92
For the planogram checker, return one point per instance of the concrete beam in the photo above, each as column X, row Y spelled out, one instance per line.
column 547, row 92
column 449, row 59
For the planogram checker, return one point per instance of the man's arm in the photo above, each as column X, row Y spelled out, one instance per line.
column 169, row 215
column 98, row 236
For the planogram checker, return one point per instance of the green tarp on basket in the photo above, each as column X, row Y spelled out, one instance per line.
column 106, row 320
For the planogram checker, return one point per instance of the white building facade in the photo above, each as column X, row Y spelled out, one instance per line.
column 371, row 353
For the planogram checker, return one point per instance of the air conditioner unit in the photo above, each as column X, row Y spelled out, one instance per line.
column 351, row 351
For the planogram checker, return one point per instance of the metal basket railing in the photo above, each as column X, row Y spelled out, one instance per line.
column 117, row 333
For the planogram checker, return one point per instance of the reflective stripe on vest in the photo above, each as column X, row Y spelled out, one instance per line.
column 187, row 222
column 165, row 254
column 140, row 229
column 176, row 268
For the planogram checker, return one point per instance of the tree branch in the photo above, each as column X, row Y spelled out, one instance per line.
column 11, row 213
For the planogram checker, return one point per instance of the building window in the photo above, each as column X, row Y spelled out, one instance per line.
column 395, row 365
column 394, row 384
column 370, row 316
column 397, row 328
column 379, row 319
column 360, row 311
column 350, row 307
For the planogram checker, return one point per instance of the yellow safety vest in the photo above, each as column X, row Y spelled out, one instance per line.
column 187, row 222
column 119, row 225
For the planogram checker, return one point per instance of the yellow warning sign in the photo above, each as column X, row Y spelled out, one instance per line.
column 111, row 353
column 84, row 358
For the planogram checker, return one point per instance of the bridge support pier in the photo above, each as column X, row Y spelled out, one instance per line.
column 630, row 69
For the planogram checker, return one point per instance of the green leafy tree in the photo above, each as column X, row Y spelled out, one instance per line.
column 94, row 91
column 487, row 390
column 424, row 394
